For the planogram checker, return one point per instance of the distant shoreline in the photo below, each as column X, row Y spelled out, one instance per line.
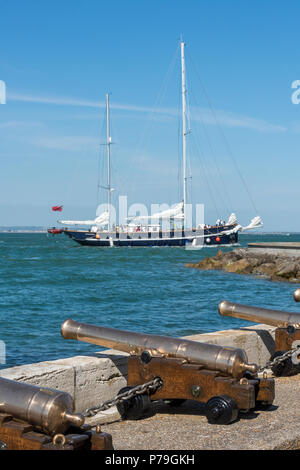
column 44, row 230
column 24, row 231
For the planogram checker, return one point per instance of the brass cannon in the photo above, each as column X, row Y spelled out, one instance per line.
column 218, row 376
column 36, row 418
column 287, row 333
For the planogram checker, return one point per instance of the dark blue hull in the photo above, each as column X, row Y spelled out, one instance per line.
column 209, row 237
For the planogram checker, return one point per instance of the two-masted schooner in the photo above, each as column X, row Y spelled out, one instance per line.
column 149, row 231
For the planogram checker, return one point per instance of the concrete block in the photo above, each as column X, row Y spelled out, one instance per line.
column 257, row 341
column 97, row 378
column 44, row 374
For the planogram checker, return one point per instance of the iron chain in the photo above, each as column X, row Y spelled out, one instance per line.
column 151, row 386
column 278, row 360
column 156, row 383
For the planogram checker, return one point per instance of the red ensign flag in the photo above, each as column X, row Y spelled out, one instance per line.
column 57, row 208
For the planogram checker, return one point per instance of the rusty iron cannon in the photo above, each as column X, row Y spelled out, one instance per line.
column 286, row 359
column 37, row 418
column 221, row 377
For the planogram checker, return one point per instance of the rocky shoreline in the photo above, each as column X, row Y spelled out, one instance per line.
column 276, row 267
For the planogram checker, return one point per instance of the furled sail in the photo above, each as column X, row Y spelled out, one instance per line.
column 102, row 219
column 256, row 222
column 175, row 212
column 232, row 220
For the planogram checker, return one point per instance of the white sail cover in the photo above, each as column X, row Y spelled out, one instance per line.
column 175, row 212
column 198, row 241
column 232, row 219
column 102, row 219
column 256, row 222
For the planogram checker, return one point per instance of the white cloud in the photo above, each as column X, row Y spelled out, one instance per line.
column 71, row 143
column 229, row 119
column 19, row 124
column 225, row 118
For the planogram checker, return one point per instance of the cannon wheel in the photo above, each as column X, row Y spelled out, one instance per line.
column 284, row 369
column 221, row 409
column 134, row 408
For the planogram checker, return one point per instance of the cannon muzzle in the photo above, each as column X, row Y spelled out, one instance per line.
column 229, row 361
column 48, row 410
column 267, row 316
column 297, row 295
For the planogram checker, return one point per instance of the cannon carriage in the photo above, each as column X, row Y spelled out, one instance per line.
column 220, row 377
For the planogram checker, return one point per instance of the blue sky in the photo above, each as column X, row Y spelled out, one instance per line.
column 59, row 59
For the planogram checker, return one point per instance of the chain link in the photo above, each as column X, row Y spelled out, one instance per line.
column 156, row 383
column 147, row 387
column 278, row 360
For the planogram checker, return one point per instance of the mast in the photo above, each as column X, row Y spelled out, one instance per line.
column 184, row 130
column 108, row 143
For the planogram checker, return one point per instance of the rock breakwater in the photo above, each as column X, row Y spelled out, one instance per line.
column 276, row 267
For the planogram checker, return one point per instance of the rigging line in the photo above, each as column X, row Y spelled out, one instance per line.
column 79, row 155
column 101, row 158
column 190, row 186
column 161, row 93
column 113, row 162
column 204, row 168
column 197, row 141
column 225, row 139
column 198, row 153
column 196, row 135
column 101, row 182
column 205, row 132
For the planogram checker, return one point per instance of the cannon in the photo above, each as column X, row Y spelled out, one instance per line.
column 287, row 333
column 33, row 417
column 221, row 377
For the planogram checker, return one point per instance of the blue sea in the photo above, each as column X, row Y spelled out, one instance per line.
column 46, row 279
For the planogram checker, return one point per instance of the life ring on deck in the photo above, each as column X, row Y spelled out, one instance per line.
column 218, row 239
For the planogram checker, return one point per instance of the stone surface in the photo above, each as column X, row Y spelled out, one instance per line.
column 239, row 266
column 257, row 341
column 45, row 374
column 186, row 427
column 97, row 378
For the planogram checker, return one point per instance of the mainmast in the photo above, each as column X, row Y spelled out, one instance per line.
column 184, row 129
column 108, row 144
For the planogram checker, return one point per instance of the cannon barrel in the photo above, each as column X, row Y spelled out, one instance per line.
column 48, row 410
column 230, row 361
column 297, row 295
column 277, row 318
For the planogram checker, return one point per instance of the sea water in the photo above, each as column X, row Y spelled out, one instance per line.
column 46, row 279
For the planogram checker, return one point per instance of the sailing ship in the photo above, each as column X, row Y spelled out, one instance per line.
column 149, row 231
